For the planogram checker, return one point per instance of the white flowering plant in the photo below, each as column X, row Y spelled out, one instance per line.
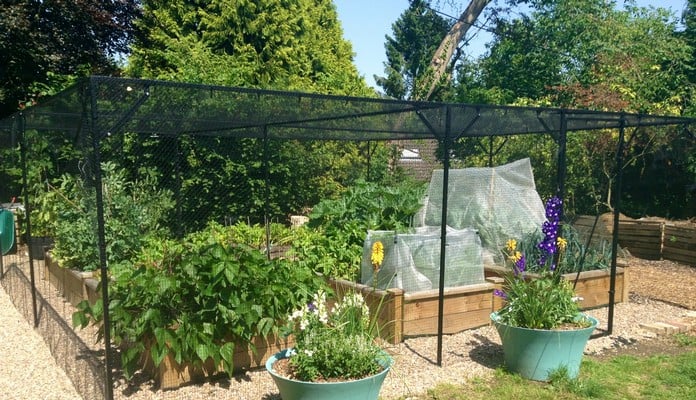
column 333, row 343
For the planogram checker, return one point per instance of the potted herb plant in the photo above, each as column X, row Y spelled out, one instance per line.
column 336, row 353
column 540, row 324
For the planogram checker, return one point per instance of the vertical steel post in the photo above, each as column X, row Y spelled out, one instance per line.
column 267, row 192
column 27, row 212
column 96, row 167
column 177, row 191
column 615, row 234
column 562, row 167
column 561, row 170
column 443, row 232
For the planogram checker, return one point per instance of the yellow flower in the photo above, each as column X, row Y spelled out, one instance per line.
column 561, row 243
column 514, row 257
column 511, row 244
column 377, row 255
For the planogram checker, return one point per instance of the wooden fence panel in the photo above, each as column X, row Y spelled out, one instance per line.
column 642, row 239
column 679, row 244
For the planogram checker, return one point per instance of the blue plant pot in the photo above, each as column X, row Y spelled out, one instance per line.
column 362, row 389
column 535, row 353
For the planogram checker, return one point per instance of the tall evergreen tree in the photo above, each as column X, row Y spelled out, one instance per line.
column 273, row 44
column 417, row 33
column 296, row 45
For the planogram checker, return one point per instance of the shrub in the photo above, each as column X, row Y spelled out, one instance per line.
column 343, row 223
column 133, row 213
column 195, row 298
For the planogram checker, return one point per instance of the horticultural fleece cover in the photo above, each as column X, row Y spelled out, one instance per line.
column 412, row 260
column 500, row 202
column 486, row 207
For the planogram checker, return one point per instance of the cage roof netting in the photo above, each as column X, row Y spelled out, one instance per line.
column 97, row 107
column 110, row 105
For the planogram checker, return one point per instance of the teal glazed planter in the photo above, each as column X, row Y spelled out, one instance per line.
column 535, row 353
column 362, row 389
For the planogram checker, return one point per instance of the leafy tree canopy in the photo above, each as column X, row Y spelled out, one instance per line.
column 42, row 39
column 281, row 44
column 589, row 54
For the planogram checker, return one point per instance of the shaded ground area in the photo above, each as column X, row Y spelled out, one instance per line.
column 661, row 345
column 665, row 281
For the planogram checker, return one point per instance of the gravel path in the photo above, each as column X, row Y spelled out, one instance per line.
column 29, row 371
column 27, row 368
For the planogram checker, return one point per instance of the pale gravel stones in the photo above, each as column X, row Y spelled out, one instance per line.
column 27, row 368
column 469, row 354
column 29, row 371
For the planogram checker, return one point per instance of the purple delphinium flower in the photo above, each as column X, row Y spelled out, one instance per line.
column 500, row 293
column 553, row 208
column 548, row 245
column 311, row 307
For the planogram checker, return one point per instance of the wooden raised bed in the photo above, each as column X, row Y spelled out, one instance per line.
column 592, row 286
column 464, row 307
column 648, row 239
column 414, row 314
column 400, row 315
column 171, row 375
column 679, row 244
column 642, row 238
column 602, row 231
column 75, row 286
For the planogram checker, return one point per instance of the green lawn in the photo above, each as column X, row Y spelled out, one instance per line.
column 659, row 377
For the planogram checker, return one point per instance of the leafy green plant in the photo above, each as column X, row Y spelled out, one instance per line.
column 43, row 212
column 253, row 235
column 547, row 301
column 133, row 212
column 196, row 299
column 342, row 223
column 47, row 156
column 333, row 343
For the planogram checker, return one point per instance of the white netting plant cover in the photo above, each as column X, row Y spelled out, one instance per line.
column 500, row 202
column 485, row 208
column 412, row 260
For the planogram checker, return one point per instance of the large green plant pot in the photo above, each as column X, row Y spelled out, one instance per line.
column 362, row 389
column 7, row 231
column 535, row 353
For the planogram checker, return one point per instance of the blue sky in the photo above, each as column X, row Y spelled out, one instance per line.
column 366, row 22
